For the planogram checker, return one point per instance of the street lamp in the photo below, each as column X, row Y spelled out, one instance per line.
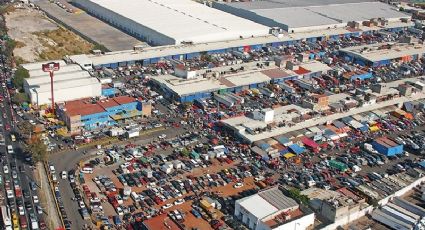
column 51, row 67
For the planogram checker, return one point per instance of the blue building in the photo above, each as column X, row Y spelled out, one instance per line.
column 87, row 114
column 387, row 147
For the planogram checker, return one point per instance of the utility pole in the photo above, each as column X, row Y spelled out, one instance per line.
column 51, row 67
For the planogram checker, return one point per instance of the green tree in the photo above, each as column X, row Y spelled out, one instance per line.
column 296, row 195
column 38, row 149
column 20, row 75
column 26, row 129
column 100, row 47
column 20, row 98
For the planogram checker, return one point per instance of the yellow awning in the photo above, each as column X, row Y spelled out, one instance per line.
column 289, row 155
column 374, row 128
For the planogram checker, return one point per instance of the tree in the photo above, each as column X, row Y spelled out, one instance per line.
column 20, row 75
column 100, row 47
column 26, row 129
column 38, row 149
column 20, row 98
column 296, row 195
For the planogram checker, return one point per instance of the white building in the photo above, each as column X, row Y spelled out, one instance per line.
column 168, row 22
column 271, row 210
column 264, row 115
column 70, row 83
column 305, row 16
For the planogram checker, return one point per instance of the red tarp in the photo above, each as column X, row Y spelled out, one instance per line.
column 309, row 143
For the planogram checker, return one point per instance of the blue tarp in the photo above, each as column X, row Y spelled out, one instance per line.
column 364, row 128
column 296, row 149
column 282, row 140
column 264, row 146
column 284, row 151
column 347, row 120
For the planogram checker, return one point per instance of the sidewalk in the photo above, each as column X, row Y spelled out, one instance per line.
column 46, row 197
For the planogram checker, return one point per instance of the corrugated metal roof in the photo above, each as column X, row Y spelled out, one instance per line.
column 276, row 198
column 186, row 20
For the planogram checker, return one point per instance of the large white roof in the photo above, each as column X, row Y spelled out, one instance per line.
column 258, row 207
column 184, row 20
column 378, row 52
column 164, row 51
column 66, row 84
column 304, row 15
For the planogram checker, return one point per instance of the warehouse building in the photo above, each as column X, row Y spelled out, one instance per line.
column 152, row 55
column 70, row 83
column 271, row 209
column 188, row 90
column 305, row 16
column 381, row 54
column 88, row 114
column 169, row 22
column 387, row 146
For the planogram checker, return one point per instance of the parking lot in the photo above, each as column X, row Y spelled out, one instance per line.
column 182, row 162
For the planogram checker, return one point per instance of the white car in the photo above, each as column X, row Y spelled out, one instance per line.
column 39, row 210
column 64, row 175
column 119, row 211
column 81, row 204
column 179, row 202
column 238, row 185
column 35, row 199
column 167, row 206
column 21, row 211
column 9, row 149
column 5, row 169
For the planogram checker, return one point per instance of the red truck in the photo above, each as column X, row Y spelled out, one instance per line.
column 18, row 192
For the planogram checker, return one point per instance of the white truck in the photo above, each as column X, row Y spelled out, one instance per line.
column 126, row 192
column 369, row 148
column 132, row 133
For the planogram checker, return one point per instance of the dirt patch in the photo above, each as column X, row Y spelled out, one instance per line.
column 61, row 42
column 39, row 38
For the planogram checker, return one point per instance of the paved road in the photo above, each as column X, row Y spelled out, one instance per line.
column 24, row 172
column 67, row 160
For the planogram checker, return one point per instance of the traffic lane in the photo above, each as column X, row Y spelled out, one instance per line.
column 67, row 160
column 71, row 207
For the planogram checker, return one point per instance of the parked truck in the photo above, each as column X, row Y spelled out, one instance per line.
column 126, row 193
column 132, row 133
column 369, row 148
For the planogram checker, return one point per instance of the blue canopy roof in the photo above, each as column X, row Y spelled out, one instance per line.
column 296, row 149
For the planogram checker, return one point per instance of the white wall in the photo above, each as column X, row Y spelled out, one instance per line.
column 67, row 94
column 297, row 224
column 247, row 218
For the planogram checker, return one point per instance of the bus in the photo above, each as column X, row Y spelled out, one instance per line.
column 5, row 214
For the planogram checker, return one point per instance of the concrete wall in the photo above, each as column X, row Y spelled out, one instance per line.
column 66, row 94
column 298, row 224
column 247, row 218
column 348, row 218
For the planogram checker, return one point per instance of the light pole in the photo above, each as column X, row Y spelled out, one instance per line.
column 51, row 67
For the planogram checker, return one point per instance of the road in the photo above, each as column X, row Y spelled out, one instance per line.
column 16, row 161
column 67, row 160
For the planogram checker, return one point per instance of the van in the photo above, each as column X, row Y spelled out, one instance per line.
column 135, row 197
column 87, row 170
column 52, row 169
